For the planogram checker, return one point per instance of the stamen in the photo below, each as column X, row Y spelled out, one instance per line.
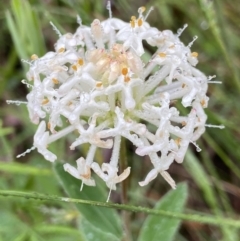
column 26, row 62
column 98, row 84
column 211, row 77
column 55, row 81
column 79, row 20
column 81, row 188
column 178, row 141
column 191, row 43
column 141, row 10
column 149, row 11
column 56, row 30
column 45, row 101
column 26, row 83
column 124, row 71
column 180, row 30
column 194, row 54
column 162, row 55
column 61, row 50
column 214, row 82
column 215, row 126
column 198, row 149
column 80, row 62
column 26, row 152
column 108, row 7
column 16, row 102
column 133, row 21
column 34, row 57
column 140, row 22
column 74, row 67
column 109, row 194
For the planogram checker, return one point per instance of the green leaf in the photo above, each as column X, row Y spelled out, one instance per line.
column 164, row 228
column 104, row 219
column 92, row 233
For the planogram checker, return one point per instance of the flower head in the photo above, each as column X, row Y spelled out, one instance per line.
column 96, row 79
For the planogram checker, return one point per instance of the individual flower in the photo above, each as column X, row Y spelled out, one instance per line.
column 97, row 82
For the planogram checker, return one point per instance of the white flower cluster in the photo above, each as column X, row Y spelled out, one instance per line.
column 97, row 82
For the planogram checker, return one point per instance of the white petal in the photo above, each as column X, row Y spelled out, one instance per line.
column 71, row 170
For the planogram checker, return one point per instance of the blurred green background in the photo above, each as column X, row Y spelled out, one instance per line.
column 212, row 175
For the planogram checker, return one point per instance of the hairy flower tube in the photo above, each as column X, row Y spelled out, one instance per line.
column 99, row 84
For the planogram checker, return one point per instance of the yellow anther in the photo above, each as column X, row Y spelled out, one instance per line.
column 141, row 9
column 162, row 55
column 61, row 50
column 80, row 62
column 133, row 18
column 45, row 101
column 98, row 84
column 34, row 57
column 124, row 71
column 172, row 46
column 49, row 125
column 74, row 67
column 183, row 85
column 140, row 22
column 177, row 141
column 203, row 103
column 69, row 103
column 55, row 81
column 194, row 54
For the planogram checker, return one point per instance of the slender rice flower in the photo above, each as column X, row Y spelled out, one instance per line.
column 97, row 82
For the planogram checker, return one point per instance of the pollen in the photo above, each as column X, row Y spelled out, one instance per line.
column 178, row 141
column 124, row 71
column 49, row 125
column 142, row 9
column 34, row 57
column 162, row 55
column 98, row 84
column 194, row 54
column 140, row 22
column 80, row 62
column 133, row 18
column 61, row 50
column 45, row 101
column 203, row 103
column 74, row 67
column 55, row 81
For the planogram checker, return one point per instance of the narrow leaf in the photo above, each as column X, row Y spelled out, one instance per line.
column 164, row 228
column 92, row 233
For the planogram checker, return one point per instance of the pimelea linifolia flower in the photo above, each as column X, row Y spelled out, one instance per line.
column 97, row 82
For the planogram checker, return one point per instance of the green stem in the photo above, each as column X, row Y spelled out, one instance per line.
column 124, row 188
column 212, row 220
